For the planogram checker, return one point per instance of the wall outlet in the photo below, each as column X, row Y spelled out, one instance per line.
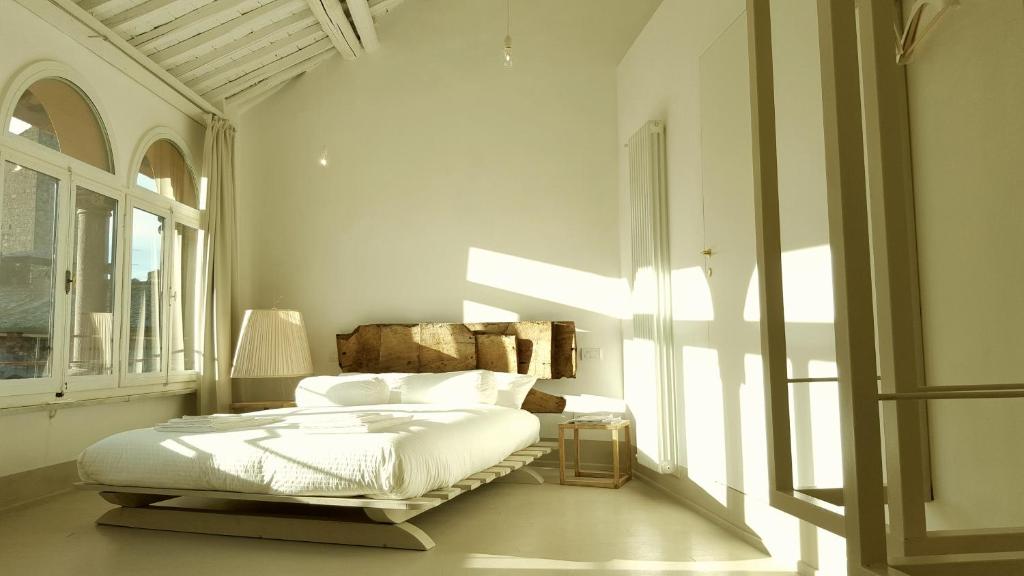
column 590, row 354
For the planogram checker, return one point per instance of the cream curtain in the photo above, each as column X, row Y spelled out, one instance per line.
column 219, row 265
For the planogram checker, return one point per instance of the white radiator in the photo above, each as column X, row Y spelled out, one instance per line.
column 649, row 358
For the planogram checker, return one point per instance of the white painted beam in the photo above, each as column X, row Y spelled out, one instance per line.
column 145, row 40
column 336, row 12
column 258, row 92
column 360, row 11
column 332, row 30
column 200, row 40
column 90, row 5
column 136, row 12
column 281, row 48
column 77, row 23
column 384, row 7
column 239, row 44
column 247, row 80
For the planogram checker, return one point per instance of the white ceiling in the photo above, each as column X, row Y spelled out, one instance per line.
column 235, row 51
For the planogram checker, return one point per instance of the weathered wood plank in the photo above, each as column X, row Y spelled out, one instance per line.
column 540, row 402
column 446, row 348
column 399, row 348
column 497, row 352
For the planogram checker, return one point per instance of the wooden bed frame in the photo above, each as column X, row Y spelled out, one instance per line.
column 382, row 523
column 544, row 349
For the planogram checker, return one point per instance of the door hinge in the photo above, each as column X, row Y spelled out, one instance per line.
column 69, row 279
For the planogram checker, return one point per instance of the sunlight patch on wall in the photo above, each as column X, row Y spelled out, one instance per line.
column 691, row 295
column 752, row 427
column 477, row 312
column 558, row 284
column 641, row 395
column 831, row 553
column 827, row 445
column 705, row 421
column 806, row 287
column 779, row 531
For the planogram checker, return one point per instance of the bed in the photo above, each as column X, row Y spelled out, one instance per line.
column 286, row 480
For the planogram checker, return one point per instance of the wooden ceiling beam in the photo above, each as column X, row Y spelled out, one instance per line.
column 360, row 10
column 91, row 5
column 204, row 38
column 336, row 12
column 242, row 82
column 145, row 40
column 239, row 44
column 264, row 88
column 333, row 27
column 384, row 7
column 282, row 47
column 136, row 12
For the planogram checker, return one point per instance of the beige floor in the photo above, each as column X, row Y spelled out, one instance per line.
column 497, row 530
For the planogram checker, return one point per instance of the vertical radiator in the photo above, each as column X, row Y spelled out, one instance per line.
column 649, row 361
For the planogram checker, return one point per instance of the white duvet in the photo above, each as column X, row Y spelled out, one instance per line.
column 439, row 446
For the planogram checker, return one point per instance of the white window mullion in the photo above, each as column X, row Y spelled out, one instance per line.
column 124, row 292
column 167, row 294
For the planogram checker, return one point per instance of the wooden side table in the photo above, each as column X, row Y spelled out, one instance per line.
column 616, row 478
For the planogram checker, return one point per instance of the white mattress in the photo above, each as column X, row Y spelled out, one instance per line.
column 441, row 445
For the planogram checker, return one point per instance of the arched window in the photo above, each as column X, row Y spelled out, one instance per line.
column 55, row 113
column 164, row 171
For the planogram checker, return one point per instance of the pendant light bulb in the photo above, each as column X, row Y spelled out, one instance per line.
column 508, row 35
column 323, row 157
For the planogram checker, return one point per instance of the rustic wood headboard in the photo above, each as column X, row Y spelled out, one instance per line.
column 543, row 349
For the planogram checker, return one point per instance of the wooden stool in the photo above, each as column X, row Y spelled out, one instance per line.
column 581, row 477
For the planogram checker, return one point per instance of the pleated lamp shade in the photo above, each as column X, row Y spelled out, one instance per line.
column 272, row 344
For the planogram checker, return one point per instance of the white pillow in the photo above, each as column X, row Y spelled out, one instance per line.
column 343, row 390
column 467, row 387
column 392, row 379
column 512, row 388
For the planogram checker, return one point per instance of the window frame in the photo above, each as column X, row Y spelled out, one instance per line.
column 59, row 387
column 55, row 381
column 173, row 212
column 98, row 381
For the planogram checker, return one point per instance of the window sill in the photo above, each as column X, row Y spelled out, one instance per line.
column 96, row 398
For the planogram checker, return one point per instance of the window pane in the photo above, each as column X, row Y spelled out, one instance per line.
column 52, row 112
column 183, row 299
column 28, row 218
column 165, row 172
column 92, row 292
column 146, row 313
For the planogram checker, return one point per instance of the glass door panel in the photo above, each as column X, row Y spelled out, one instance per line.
column 183, row 299
column 92, row 287
column 145, row 312
column 28, row 225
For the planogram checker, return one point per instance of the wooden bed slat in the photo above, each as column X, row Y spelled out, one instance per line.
column 405, row 536
column 386, row 527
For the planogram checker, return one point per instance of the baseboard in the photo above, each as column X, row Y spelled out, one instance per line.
column 645, row 475
column 24, row 487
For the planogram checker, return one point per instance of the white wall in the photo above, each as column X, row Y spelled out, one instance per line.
column 689, row 69
column 37, row 439
column 451, row 180
column 967, row 124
